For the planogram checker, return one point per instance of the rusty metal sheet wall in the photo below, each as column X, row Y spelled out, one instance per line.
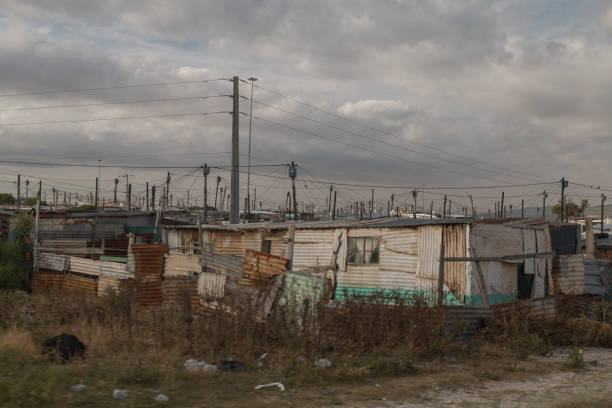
column 568, row 274
column 80, row 284
column 211, row 285
column 312, row 248
column 236, row 242
column 180, row 292
column 176, row 264
column 45, row 280
column 455, row 246
column 148, row 268
column 259, row 267
column 84, row 266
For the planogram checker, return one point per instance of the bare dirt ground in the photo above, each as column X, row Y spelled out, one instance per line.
column 591, row 386
column 536, row 382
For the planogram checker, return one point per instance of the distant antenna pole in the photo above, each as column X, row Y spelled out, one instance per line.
column 235, row 178
column 431, row 210
column 115, row 192
column 205, row 172
column 217, row 191
column 522, row 208
column 372, row 205
column 544, row 196
column 563, row 186
column 293, row 175
column 444, row 210
column 414, row 210
column 601, row 227
column 334, row 209
column 18, row 192
column 97, row 192
column 153, row 197
column 167, row 192
column 129, row 197
column 501, row 206
column 472, row 205
column 37, row 213
column 329, row 202
column 147, row 196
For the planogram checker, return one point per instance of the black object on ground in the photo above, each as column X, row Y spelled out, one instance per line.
column 233, row 366
column 63, row 348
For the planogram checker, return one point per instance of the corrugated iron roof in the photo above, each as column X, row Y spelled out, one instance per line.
column 386, row 222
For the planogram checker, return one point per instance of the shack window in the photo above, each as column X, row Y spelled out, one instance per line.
column 362, row 251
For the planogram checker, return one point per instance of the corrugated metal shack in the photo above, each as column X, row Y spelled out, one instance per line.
column 402, row 255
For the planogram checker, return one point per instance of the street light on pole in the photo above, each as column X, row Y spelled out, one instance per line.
column 252, row 79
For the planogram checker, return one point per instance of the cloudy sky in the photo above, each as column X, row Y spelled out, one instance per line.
column 440, row 93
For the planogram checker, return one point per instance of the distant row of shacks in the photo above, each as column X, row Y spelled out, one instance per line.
column 483, row 263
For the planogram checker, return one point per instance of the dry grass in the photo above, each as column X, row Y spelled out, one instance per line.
column 18, row 340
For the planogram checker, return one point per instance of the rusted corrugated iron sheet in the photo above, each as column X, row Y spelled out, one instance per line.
column 568, row 274
column 211, row 285
column 278, row 242
column 180, row 292
column 259, row 267
column 45, row 280
column 312, row 248
column 148, row 267
column 149, row 259
column 84, row 266
column 80, row 284
column 236, row 242
column 454, row 246
column 176, row 264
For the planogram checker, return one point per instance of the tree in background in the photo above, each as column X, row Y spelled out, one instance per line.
column 572, row 210
column 584, row 204
column 16, row 257
column 7, row 199
column 32, row 201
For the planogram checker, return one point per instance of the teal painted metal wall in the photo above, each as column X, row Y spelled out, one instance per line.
column 391, row 296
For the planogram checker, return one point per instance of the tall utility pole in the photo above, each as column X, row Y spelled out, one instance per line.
column 563, row 186
column 444, row 210
column 27, row 183
column 167, row 189
column 329, row 202
column 501, row 206
column 235, row 178
column 147, row 196
column 97, row 192
column 544, row 196
column 205, row 172
column 522, row 208
column 217, row 191
column 414, row 197
column 293, row 175
column 153, row 197
column 372, row 207
column 471, row 204
column 392, row 198
column 37, row 213
column 18, row 192
column 603, row 200
column 115, row 192
column 248, row 209
column 334, row 209
column 129, row 203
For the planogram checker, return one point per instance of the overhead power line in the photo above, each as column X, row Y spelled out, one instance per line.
column 127, row 166
column 104, row 88
column 164, row 115
column 363, row 125
column 112, row 103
